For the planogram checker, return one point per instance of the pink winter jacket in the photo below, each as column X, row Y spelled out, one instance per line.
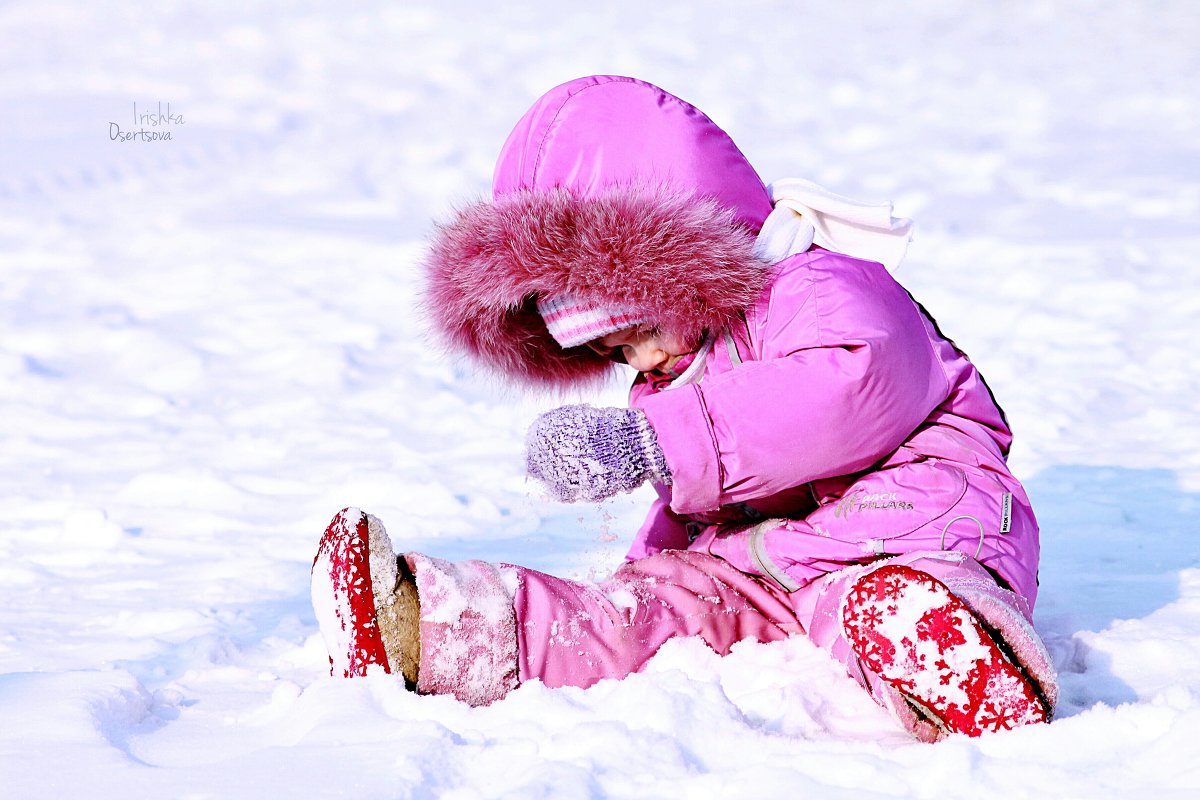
column 850, row 430
column 851, row 416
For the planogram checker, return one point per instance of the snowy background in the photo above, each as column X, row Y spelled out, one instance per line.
column 208, row 346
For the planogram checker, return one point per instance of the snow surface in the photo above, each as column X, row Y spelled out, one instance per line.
column 208, row 346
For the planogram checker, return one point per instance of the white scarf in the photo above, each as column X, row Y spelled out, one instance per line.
column 807, row 214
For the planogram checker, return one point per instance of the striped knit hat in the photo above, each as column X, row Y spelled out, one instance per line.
column 573, row 322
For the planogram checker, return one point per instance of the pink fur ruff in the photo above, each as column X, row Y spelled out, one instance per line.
column 681, row 261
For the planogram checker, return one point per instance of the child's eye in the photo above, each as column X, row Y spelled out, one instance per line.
column 612, row 354
column 616, row 354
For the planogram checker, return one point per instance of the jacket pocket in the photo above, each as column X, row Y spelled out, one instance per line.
column 891, row 504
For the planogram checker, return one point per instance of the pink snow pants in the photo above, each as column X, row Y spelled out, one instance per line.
column 487, row 628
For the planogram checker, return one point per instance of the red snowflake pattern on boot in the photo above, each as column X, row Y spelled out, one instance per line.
column 938, row 626
column 343, row 599
column 908, row 628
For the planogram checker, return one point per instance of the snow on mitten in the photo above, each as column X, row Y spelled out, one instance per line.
column 586, row 453
column 909, row 629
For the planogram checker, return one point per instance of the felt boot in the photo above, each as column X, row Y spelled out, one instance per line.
column 365, row 598
column 907, row 627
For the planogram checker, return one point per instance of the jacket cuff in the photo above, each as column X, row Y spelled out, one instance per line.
column 684, row 430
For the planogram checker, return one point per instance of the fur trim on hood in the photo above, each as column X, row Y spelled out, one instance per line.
column 683, row 261
column 613, row 191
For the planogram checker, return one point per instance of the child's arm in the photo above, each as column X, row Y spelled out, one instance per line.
column 847, row 373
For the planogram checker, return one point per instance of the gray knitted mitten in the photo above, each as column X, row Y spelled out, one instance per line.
column 586, row 453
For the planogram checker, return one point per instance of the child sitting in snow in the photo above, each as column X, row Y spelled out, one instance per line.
column 827, row 462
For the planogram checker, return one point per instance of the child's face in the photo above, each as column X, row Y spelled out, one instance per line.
column 643, row 348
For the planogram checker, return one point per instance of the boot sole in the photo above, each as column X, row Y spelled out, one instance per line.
column 343, row 577
column 909, row 629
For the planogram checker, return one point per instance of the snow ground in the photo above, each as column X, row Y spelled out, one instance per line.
column 208, row 346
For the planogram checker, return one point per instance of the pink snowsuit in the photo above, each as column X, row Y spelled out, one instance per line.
column 833, row 427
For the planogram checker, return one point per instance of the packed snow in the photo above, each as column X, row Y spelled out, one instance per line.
column 209, row 344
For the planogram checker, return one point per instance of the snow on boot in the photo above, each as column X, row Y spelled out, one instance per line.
column 909, row 629
column 365, row 599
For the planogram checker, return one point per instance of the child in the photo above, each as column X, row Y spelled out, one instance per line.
column 827, row 463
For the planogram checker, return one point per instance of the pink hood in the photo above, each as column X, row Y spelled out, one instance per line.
column 616, row 192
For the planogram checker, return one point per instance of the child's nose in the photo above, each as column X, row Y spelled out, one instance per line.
column 647, row 357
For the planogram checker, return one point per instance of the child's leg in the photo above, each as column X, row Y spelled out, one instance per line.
column 574, row 634
column 485, row 628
